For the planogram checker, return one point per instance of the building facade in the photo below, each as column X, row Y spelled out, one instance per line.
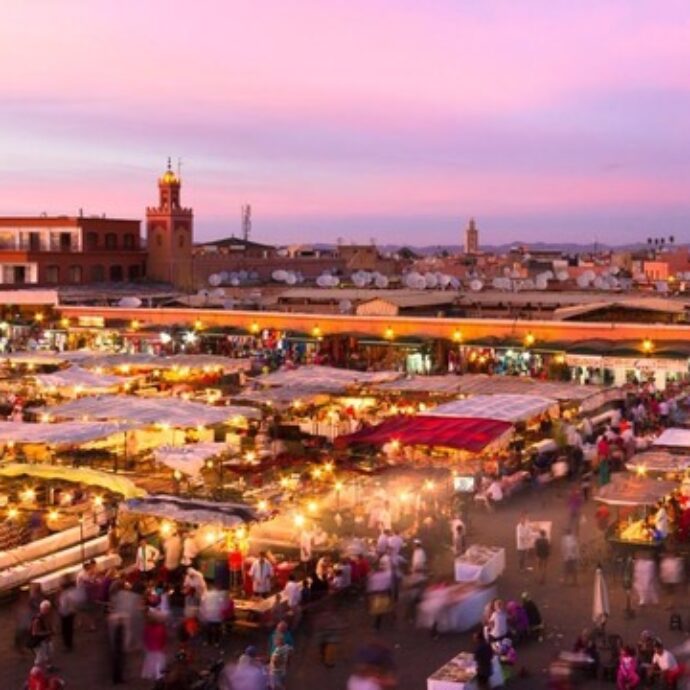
column 64, row 250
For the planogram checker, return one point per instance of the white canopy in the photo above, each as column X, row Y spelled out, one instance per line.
column 188, row 459
column 172, row 411
column 425, row 384
column 674, row 438
column 191, row 511
column 506, row 408
column 325, row 379
column 92, row 360
column 658, row 461
column 80, row 379
column 62, row 433
column 38, row 357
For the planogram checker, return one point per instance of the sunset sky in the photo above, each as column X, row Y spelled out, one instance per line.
column 388, row 119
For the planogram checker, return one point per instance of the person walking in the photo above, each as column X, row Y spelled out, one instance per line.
column 570, row 552
column 41, row 637
column 542, row 549
column 523, row 538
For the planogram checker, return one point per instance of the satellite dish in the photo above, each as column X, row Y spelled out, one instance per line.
column 359, row 281
column 430, row 281
column 129, row 302
column 476, row 285
column 218, row 292
column 444, row 280
column 562, row 275
column 214, row 280
column 455, row 283
column 290, row 278
column 381, row 282
column 224, row 275
column 323, row 281
column 582, row 281
column 345, row 306
column 235, row 281
column 614, row 270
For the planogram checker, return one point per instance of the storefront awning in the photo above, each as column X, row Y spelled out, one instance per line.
column 472, row 435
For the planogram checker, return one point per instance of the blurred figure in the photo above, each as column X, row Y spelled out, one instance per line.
column 374, row 669
column 644, row 580
column 155, row 639
column 278, row 663
column 41, row 639
column 419, row 559
column 247, row 674
column 67, row 610
column 483, row 657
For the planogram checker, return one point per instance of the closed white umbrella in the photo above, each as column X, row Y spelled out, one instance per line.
column 601, row 609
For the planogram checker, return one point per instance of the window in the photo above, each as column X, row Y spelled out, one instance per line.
column 128, row 241
column 133, row 273
column 116, row 274
column 97, row 274
column 180, row 240
column 75, row 274
column 65, row 241
column 52, row 274
column 91, row 240
column 159, row 239
column 111, row 241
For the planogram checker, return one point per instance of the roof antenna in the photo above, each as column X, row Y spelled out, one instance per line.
column 169, row 164
column 179, row 168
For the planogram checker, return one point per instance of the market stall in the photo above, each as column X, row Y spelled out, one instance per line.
column 506, row 408
column 674, row 438
column 481, row 564
column 189, row 459
column 75, row 381
column 658, row 462
column 636, row 498
column 469, row 434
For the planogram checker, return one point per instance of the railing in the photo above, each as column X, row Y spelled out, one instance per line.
column 28, row 246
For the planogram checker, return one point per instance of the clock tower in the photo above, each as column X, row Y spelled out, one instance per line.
column 169, row 235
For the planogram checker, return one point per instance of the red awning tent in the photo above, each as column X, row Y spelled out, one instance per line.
column 461, row 433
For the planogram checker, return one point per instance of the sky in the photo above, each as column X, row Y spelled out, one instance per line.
column 393, row 120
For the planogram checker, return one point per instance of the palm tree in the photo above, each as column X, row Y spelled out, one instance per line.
column 671, row 239
column 649, row 241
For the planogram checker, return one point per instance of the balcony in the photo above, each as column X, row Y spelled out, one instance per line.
column 24, row 245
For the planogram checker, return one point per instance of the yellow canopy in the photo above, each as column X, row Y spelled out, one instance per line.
column 82, row 475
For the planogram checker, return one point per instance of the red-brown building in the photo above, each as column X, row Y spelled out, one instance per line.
column 64, row 250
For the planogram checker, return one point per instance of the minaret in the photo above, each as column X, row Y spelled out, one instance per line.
column 169, row 235
column 471, row 238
